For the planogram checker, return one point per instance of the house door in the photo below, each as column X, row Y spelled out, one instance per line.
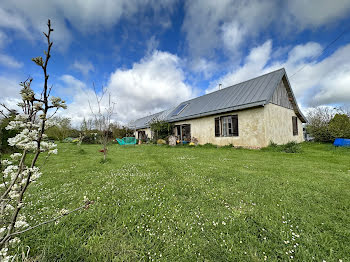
column 141, row 135
column 186, row 133
column 183, row 132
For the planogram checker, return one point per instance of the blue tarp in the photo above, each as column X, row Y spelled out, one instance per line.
column 341, row 142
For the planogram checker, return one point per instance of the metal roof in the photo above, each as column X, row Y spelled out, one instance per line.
column 147, row 120
column 251, row 93
column 144, row 121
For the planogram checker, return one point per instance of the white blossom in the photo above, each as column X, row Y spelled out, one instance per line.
column 2, row 230
column 16, row 156
column 26, row 139
column 54, row 151
column 35, row 173
column 21, row 223
column 13, row 194
column 3, row 255
column 9, row 207
column 63, row 211
column 14, row 241
column 10, row 171
column 6, row 162
column 47, row 146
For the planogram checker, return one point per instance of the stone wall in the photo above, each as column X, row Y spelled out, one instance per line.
column 251, row 129
column 278, row 125
column 256, row 127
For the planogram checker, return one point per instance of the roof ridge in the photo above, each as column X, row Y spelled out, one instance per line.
column 268, row 82
column 282, row 68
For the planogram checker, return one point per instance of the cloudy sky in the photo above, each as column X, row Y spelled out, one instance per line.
column 151, row 55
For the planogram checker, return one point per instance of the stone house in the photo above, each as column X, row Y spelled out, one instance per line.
column 249, row 114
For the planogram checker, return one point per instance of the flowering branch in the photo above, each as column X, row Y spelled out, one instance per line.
column 16, row 175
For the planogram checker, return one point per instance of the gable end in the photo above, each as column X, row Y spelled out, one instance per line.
column 280, row 96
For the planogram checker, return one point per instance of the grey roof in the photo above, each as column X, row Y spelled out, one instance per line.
column 147, row 120
column 144, row 121
column 251, row 93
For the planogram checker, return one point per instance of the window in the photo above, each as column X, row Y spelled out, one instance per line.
column 295, row 125
column 179, row 109
column 226, row 126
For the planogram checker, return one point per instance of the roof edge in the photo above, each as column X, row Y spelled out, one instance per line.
column 294, row 102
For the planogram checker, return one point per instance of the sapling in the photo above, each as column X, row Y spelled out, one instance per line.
column 103, row 118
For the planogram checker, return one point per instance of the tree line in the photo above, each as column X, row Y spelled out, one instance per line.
column 63, row 130
column 325, row 124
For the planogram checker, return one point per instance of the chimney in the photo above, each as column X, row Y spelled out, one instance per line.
column 220, row 85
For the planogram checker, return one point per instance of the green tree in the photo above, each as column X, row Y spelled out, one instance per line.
column 318, row 120
column 339, row 126
column 120, row 131
column 61, row 129
column 6, row 134
column 161, row 129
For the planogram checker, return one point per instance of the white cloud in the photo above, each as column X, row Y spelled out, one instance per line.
column 232, row 35
column 30, row 17
column 318, row 83
column 10, row 19
column 254, row 64
column 77, row 95
column 151, row 45
column 3, row 39
column 83, row 67
column 314, row 13
column 301, row 52
column 204, row 66
column 9, row 90
column 9, row 86
column 155, row 83
column 9, row 61
column 229, row 25
column 211, row 25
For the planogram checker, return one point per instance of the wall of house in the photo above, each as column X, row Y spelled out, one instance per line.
column 279, row 126
column 147, row 131
column 256, row 127
column 251, row 129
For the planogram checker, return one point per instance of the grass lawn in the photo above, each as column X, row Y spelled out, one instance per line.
column 188, row 204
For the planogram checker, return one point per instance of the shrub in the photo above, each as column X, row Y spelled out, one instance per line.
column 339, row 126
column 161, row 129
column 161, row 142
column 228, row 146
column 119, row 131
column 91, row 138
column 318, row 120
column 209, row 145
column 272, row 144
column 5, row 135
column 291, row 147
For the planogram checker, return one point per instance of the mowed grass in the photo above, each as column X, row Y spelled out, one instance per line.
column 158, row 203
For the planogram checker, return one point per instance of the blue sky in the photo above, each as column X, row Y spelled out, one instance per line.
column 152, row 55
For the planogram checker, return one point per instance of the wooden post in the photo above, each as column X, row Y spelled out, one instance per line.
column 181, row 134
